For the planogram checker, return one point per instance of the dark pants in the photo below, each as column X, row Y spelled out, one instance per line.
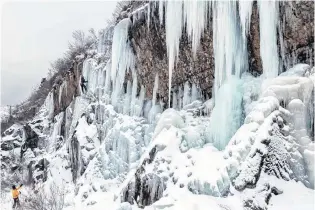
column 16, row 202
column 83, row 87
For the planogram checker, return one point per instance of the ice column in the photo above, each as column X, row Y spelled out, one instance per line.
column 49, row 104
column 195, row 94
column 57, row 129
column 229, row 53
column 107, row 69
column 268, row 21
column 122, row 58
column 227, row 113
column 245, row 11
column 155, row 89
column 230, row 61
column 187, row 94
column 174, row 13
column 161, row 11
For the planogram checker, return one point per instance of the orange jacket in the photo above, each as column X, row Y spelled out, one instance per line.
column 16, row 193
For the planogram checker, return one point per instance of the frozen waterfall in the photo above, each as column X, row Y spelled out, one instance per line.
column 230, row 24
column 122, row 58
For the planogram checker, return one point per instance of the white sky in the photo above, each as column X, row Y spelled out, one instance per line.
column 35, row 33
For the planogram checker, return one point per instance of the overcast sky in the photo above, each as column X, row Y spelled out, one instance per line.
column 35, row 33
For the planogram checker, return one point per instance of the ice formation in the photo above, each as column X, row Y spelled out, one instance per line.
column 230, row 61
column 49, row 104
column 245, row 11
column 122, row 58
column 226, row 115
column 173, row 26
column 56, row 139
column 268, row 17
column 195, row 15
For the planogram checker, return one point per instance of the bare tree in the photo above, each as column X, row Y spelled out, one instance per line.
column 42, row 200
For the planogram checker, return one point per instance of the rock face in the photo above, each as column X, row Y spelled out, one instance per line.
column 145, row 189
column 75, row 158
column 67, row 89
column 31, row 139
column 149, row 45
column 297, row 18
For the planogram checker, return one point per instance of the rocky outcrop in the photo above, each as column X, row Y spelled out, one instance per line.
column 40, row 170
column 67, row 88
column 31, row 139
column 145, row 189
column 75, row 157
column 265, row 192
column 272, row 160
column 12, row 138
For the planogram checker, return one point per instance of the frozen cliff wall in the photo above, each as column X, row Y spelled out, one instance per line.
column 294, row 36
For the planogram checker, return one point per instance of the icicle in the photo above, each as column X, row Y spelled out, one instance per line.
column 195, row 95
column 62, row 87
column 122, row 59
column 161, row 12
column 245, row 11
column 230, row 61
column 57, row 129
column 100, row 47
column 187, row 94
column 174, row 13
column 66, row 87
column 60, row 92
column 49, row 105
column 195, row 14
column 229, row 53
column 155, row 89
column 107, row 77
column 268, row 20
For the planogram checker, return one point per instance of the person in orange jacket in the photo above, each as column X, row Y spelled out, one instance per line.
column 15, row 195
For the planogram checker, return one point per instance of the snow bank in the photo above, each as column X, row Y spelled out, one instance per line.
column 169, row 117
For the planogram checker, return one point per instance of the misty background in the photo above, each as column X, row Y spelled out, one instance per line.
column 34, row 34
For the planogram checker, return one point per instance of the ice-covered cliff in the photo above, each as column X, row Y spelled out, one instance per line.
column 189, row 105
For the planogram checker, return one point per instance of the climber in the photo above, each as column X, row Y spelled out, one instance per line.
column 83, row 86
column 15, row 195
column 72, row 67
